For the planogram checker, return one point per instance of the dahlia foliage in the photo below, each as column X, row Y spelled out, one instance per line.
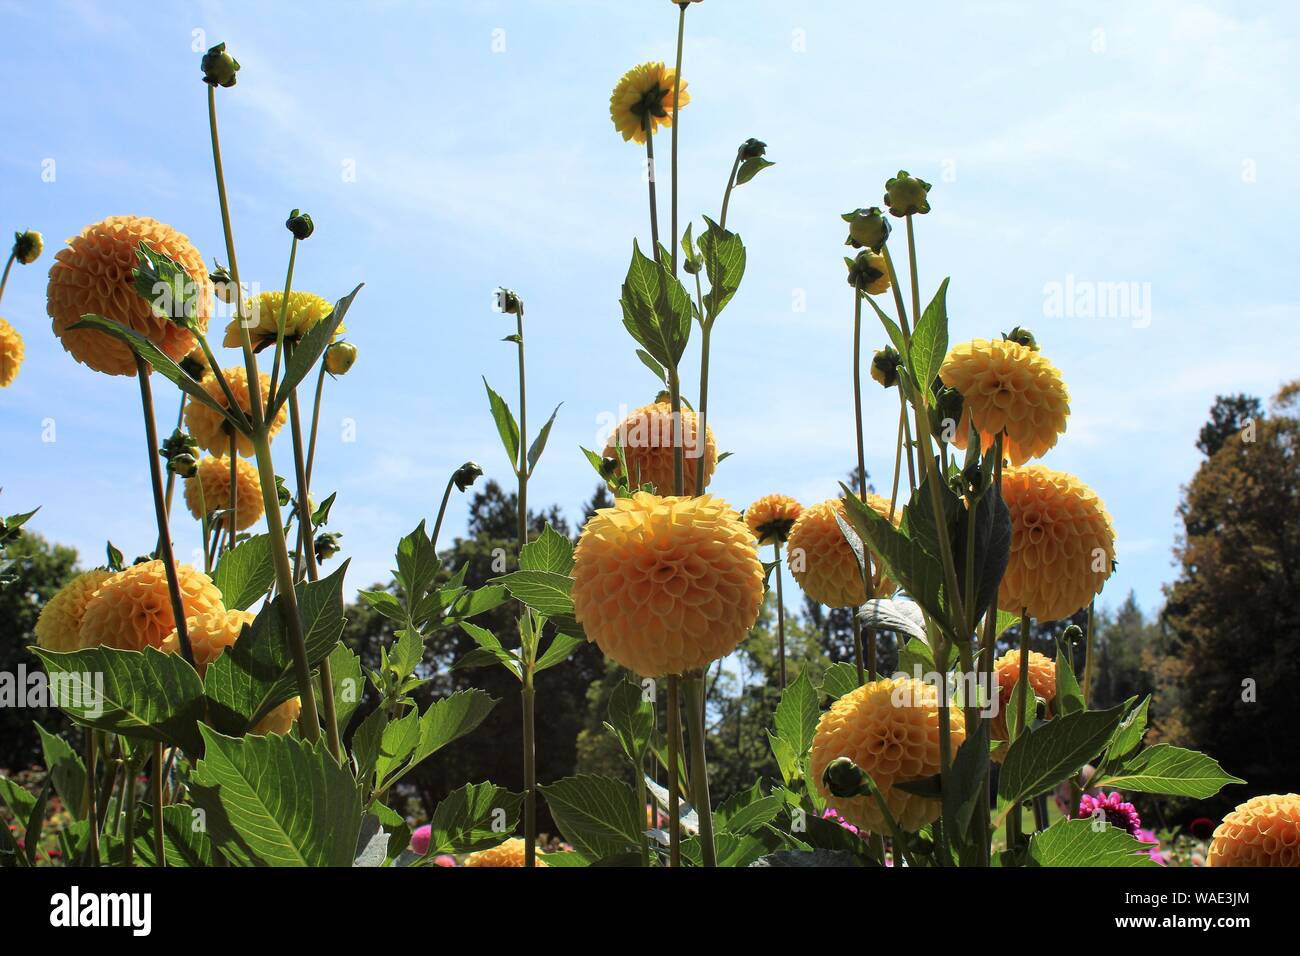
column 217, row 680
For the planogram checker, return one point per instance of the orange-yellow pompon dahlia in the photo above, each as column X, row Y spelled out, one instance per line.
column 305, row 309
column 1263, row 831
column 59, row 626
column 771, row 518
column 643, row 100
column 1042, row 678
column 823, row 562
column 510, row 853
column 1011, row 387
column 210, row 634
column 1062, row 543
column 11, row 353
column 647, row 440
column 93, row 275
column 889, row 728
column 280, row 720
column 209, row 487
column 209, row 428
column 666, row 585
column 132, row 609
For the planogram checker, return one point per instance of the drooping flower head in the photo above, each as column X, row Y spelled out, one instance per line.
column 132, row 609
column 510, row 853
column 1263, row 831
column 305, row 309
column 646, row 437
column 823, row 562
column 1006, row 669
column 11, row 353
column 771, row 518
column 1062, row 543
column 28, row 246
column 59, row 626
column 209, row 428
column 889, row 728
column 94, row 275
column 666, row 585
column 1007, row 387
column 643, row 99
column 1113, row 808
column 210, row 487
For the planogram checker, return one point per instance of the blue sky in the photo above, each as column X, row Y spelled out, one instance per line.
column 1071, row 146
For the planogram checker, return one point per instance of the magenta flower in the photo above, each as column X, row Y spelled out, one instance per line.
column 1117, row 811
column 444, row 859
column 1149, row 836
column 420, row 840
column 834, row 817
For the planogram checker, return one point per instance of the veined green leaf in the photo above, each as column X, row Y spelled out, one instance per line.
column 475, row 817
column 1082, row 843
column 66, row 771
column 310, row 348
column 1171, row 770
column 492, row 650
column 544, row 591
column 507, row 427
column 550, row 551
column 724, row 263
column 1043, row 756
column 599, row 816
column 930, row 339
column 539, row 443
column 244, row 575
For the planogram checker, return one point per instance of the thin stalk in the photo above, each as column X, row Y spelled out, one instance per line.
column 987, row 649
column 92, row 754
column 231, row 523
column 527, row 692
column 677, row 90
column 911, row 261
column 898, row 295
column 674, row 798
column 527, row 696
column 171, row 475
column 726, row 194
column 157, row 786
column 857, row 388
column 700, row 767
column 702, row 422
column 857, row 649
column 128, row 797
column 442, row 510
column 1015, row 820
column 898, row 461
column 315, row 421
column 641, row 805
column 523, row 433
column 142, row 372
column 284, row 310
column 780, row 614
column 908, row 449
column 1087, row 657
column 9, row 264
column 650, row 179
column 675, row 395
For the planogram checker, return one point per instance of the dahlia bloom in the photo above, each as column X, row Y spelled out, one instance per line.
column 209, row 487
column 1114, row 808
column 210, row 633
column 823, row 562
column 510, row 853
column 889, row 728
column 644, row 96
column 1006, row 669
column 59, row 626
column 1154, row 851
column 280, row 720
column 1062, row 543
column 646, row 437
column 771, row 518
column 666, row 585
column 209, row 428
column 420, row 838
column 132, row 609
column 94, row 275
column 1263, row 831
column 1007, row 387
column 11, row 353
column 304, row 311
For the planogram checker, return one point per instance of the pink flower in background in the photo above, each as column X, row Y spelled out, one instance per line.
column 1117, row 811
column 834, row 817
column 444, row 859
column 420, row 840
column 1149, row 836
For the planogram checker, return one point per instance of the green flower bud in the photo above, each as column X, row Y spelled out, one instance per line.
column 327, row 545
column 867, row 227
column 183, row 465
column 1022, row 336
column 609, row 468
column 300, row 224
column 194, row 365
column 508, row 302
column 884, row 366
column 1072, row 635
column 868, row 272
column 844, row 778
column 222, row 282
column 906, row 195
column 693, row 266
column 28, row 246
column 219, row 67
column 467, row 474
column 339, row 357
column 752, row 148
column 946, row 411
column 178, row 443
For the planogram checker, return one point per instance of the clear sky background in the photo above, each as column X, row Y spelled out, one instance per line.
column 1148, row 143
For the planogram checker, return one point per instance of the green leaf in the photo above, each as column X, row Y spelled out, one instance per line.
column 310, row 348
column 507, row 427
column 1081, row 843
column 349, row 683
column 66, row 770
column 1043, row 756
column 544, row 591
column 649, row 362
column 185, row 839
column 1069, row 698
column 961, row 791
column 417, row 567
column 751, row 168
column 444, row 721
column 1128, row 736
column 475, row 817
column 245, row 574
column 656, row 309
column 407, row 653
column 753, row 815
column 930, row 339
column 550, row 551
column 599, row 816
column 539, row 443
column 724, row 263
column 840, row 678
column 492, row 650
column 148, row 696
column 796, row 715
column 915, row 653
column 1172, row 770
column 808, row 858
column 277, row 801
column 631, row 720
column 558, row 651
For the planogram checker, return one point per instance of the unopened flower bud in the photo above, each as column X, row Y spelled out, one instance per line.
column 467, row 474
column 609, row 468
column 867, row 227
column 884, row 366
column 868, row 273
column 339, row 358
column 223, row 283
column 508, row 302
column 183, row 465
column 219, row 67
column 752, row 148
column 28, row 246
column 906, row 195
column 327, row 545
column 693, row 266
column 300, row 224
column 1022, row 336
column 195, row 365
column 946, row 411
column 1072, row 635
column 844, row 778
column 178, row 444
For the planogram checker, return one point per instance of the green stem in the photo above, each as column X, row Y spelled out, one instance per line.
column 916, row 284
column 527, row 695
column 9, row 264
column 674, row 775
column 128, row 797
column 650, row 179
column 157, row 786
column 675, row 396
column 1087, row 657
column 171, row 475
column 702, row 423
column 898, row 295
column 857, row 388
column 523, row 433
column 315, row 421
column 699, row 766
column 857, row 649
column 442, row 510
column 677, row 117
column 231, row 523
column 284, row 310
column 780, row 614
column 641, row 804
column 93, row 804
column 726, row 194
column 907, row 444
column 1018, row 700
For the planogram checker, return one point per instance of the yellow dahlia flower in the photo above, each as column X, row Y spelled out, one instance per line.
column 644, row 98
column 209, row 428
column 93, row 275
column 304, row 311
column 823, row 562
column 1007, row 387
column 213, row 477
column 666, row 585
column 1263, row 831
column 889, row 728
column 11, row 353
column 210, row 634
column 771, row 518
column 1006, row 669
column 280, row 720
column 647, row 439
column 510, row 853
column 1062, row 543
column 59, row 626
column 132, row 609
